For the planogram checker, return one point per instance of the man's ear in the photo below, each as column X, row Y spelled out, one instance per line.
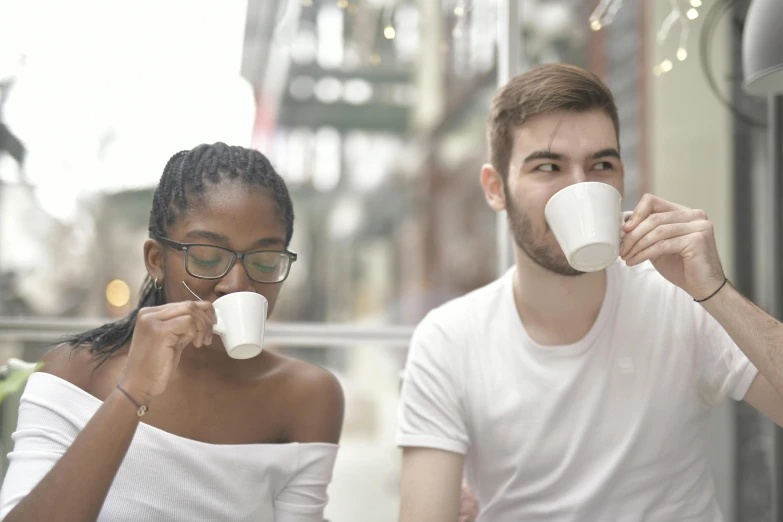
column 153, row 259
column 492, row 183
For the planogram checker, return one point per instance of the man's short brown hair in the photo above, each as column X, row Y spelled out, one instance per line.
column 542, row 89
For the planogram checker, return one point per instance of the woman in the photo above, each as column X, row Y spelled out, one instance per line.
column 148, row 418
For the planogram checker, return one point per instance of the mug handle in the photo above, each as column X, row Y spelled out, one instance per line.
column 219, row 327
column 624, row 217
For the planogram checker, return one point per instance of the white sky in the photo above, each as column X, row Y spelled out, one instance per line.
column 108, row 90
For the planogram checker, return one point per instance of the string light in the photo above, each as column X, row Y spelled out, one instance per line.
column 604, row 14
column 675, row 17
column 460, row 12
column 389, row 31
column 387, row 19
column 682, row 54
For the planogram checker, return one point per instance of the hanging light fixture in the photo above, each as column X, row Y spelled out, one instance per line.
column 762, row 48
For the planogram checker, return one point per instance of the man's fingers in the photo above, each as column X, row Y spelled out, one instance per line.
column 673, row 245
column 665, row 231
column 650, row 204
column 655, row 220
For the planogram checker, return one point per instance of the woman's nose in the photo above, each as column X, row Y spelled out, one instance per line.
column 236, row 280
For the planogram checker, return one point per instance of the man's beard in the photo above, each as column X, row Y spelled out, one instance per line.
column 524, row 237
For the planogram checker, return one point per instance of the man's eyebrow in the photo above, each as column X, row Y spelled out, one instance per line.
column 604, row 153
column 556, row 156
column 545, row 154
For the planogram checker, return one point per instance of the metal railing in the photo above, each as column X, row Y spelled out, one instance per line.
column 280, row 334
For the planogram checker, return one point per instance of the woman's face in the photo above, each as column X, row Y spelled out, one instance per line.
column 232, row 215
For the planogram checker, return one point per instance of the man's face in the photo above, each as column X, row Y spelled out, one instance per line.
column 550, row 152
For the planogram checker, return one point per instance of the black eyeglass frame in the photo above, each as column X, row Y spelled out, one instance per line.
column 184, row 247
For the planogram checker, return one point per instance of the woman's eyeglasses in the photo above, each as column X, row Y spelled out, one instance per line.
column 214, row 262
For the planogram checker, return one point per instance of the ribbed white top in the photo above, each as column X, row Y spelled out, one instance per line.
column 165, row 477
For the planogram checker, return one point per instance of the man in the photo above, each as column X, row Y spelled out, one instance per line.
column 579, row 396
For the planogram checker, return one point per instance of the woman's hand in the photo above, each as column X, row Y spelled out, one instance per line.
column 160, row 335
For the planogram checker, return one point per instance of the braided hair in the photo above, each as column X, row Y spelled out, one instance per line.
column 185, row 175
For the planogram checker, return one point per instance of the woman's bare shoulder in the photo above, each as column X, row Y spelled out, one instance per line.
column 79, row 366
column 315, row 399
column 69, row 363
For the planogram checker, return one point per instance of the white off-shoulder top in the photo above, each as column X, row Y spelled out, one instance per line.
column 165, row 477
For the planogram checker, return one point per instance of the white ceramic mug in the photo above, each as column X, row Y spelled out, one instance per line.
column 241, row 320
column 586, row 219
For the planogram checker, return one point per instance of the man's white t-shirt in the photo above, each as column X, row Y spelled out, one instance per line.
column 612, row 428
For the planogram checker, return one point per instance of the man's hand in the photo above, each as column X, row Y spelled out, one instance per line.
column 468, row 505
column 678, row 240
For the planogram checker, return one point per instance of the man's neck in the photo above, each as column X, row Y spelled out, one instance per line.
column 556, row 309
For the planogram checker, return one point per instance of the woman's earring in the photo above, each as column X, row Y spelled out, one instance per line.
column 157, row 286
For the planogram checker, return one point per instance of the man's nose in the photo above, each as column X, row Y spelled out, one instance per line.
column 579, row 175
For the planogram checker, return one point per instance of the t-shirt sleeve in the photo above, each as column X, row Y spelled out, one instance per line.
column 431, row 412
column 723, row 369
